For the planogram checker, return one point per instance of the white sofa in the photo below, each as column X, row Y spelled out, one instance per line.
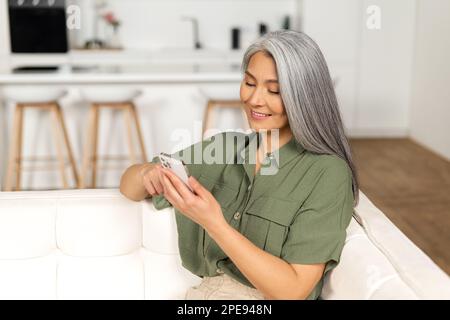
column 95, row 244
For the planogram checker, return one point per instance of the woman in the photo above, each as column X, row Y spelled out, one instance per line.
column 251, row 235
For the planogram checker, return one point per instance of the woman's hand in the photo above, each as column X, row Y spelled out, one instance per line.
column 151, row 178
column 200, row 206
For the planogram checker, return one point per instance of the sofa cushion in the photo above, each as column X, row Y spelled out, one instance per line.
column 361, row 271
column 29, row 279
column 85, row 228
column 27, row 226
column 119, row 277
column 159, row 229
column 379, row 262
column 165, row 278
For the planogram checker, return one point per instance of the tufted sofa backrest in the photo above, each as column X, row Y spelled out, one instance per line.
column 96, row 244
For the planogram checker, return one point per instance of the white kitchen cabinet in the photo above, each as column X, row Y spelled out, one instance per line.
column 385, row 70
column 373, row 67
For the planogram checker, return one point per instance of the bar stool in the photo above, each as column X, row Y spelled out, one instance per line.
column 45, row 98
column 220, row 98
column 101, row 97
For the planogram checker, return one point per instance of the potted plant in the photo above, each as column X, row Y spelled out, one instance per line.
column 114, row 40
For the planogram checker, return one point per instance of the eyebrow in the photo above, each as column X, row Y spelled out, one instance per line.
column 266, row 81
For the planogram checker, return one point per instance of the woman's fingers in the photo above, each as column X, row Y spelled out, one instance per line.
column 179, row 185
column 170, row 193
column 151, row 179
column 148, row 185
column 198, row 188
column 156, row 181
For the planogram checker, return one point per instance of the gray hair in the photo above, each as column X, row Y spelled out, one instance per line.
column 308, row 94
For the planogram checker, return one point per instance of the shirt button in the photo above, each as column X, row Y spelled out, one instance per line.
column 249, row 187
column 219, row 271
column 237, row 215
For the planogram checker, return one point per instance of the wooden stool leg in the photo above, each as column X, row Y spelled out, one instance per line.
column 127, row 116
column 87, row 155
column 57, row 137
column 137, row 124
column 208, row 116
column 67, row 145
column 19, row 151
column 87, row 149
column 94, row 144
column 14, row 150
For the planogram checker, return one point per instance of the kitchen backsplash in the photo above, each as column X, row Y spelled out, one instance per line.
column 153, row 24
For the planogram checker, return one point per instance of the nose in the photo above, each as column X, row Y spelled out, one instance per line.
column 256, row 98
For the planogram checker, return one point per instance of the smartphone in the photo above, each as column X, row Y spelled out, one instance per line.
column 177, row 166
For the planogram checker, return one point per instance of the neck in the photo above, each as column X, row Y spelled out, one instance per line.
column 269, row 146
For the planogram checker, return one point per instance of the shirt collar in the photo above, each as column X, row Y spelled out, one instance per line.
column 273, row 161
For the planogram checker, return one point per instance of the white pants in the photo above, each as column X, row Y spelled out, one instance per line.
column 222, row 287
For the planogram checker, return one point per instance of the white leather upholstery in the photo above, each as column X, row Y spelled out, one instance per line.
column 33, row 94
column 109, row 94
column 379, row 262
column 95, row 244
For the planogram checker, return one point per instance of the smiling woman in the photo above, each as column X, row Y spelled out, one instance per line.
column 248, row 233
column 262, row 101
column 263, row 65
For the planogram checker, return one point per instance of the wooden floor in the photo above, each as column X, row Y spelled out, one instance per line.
column 411, row 185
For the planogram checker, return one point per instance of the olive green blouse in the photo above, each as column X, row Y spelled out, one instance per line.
column 298, row 213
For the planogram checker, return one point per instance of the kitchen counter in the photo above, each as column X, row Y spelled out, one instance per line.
column 135, row 73
column 128, row 66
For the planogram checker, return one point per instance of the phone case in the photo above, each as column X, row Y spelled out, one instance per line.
column 177, row 167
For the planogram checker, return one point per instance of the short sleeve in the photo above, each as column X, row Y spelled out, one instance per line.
column 317, row 235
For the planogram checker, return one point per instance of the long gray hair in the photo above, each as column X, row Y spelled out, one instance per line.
column 308, row 94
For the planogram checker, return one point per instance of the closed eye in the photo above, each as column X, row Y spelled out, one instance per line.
column 252, row 85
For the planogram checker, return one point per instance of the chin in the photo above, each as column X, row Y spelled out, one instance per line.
column 260, row 128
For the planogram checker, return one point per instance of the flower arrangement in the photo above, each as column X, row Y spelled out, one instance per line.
column 111, row 19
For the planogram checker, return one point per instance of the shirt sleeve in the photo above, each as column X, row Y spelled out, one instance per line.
column 317, row 235
column 192, row 157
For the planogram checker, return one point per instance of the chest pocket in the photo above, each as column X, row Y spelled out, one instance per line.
column 190, row 232
column 223, row 194
column 268, row 221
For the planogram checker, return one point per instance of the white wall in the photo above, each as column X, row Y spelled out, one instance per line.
column 334, row 26
column 385, row 69
column 373, row 66
column 430, row 101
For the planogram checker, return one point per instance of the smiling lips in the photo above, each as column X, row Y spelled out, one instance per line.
column 259, row 116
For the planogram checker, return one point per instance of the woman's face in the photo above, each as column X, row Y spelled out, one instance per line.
column 260, row 94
